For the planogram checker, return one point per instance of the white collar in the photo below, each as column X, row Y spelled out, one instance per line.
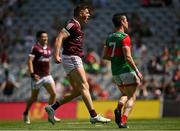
column 44, row 47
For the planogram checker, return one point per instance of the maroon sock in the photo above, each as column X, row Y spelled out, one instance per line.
column 93, row 113
column 119, row 106
column 55, row 105
column 25, row 112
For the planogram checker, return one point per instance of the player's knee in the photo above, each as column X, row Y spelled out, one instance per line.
column 85, row 86
column 131, row 102
column 53, row 94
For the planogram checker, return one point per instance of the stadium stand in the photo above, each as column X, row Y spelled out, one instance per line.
column 21, row 20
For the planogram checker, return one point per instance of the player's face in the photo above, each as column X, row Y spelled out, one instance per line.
column 125, row 22
column 85, row 14
column 43, row 39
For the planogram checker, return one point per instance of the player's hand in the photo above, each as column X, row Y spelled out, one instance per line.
column 36, row 77
column 140, row 75
column 57, row 59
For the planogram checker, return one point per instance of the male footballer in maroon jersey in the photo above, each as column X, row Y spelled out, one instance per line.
column 71, row 39
column 38, row 64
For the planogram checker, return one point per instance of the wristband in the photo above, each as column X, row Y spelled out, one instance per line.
column 32, row 75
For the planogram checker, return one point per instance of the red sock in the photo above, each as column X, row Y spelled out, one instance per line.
column 93, row 113
column 123, row 119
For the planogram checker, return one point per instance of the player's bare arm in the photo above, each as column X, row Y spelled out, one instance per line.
column 31, row 70
column 58, row 43
column 128, row 57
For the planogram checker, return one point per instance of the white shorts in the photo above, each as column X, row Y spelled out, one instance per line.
column 44, row 80
column 71, row 62
column 126, row 79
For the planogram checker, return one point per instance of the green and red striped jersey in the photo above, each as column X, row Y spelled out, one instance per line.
column 114, row 44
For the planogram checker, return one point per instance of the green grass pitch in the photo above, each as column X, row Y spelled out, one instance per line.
column 164, row 124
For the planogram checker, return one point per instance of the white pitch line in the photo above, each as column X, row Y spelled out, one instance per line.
column 78, row 123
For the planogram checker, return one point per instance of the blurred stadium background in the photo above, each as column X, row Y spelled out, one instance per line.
column 155, row 32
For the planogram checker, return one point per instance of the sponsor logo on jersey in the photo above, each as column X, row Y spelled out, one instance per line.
column 69, row 26
column 43, row 59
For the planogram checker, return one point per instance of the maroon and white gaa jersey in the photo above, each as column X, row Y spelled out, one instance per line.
column 41, row 60
column 73, row 45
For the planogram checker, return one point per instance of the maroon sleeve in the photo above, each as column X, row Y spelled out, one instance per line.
column 71, row 28
column 34, row 51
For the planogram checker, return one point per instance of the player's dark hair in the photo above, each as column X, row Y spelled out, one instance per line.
column 117, row 19
column 39, row 33
column 80, row 7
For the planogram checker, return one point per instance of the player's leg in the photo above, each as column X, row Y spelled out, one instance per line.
column 130, row 91
column 50, row 87
column 131, row 82
column 131, row 97
column 72, row 94
column 127, row 83
column 70, row 63
column 79, row 76
column 123, row 98
column 75, row 70
column 122, row 101
column 66, row 98
column 33, row 98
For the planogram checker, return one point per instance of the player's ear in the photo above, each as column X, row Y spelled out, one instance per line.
column 81, row 13
column 122, row 22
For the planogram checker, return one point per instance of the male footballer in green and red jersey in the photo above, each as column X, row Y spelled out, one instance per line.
column 124, row 71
